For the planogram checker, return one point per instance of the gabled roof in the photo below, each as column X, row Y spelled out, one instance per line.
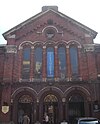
column 89, row 30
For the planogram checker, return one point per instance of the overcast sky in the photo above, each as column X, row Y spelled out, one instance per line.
column 13, row 12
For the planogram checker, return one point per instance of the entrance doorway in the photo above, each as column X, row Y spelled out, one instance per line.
column 50, row 106
column 76, row 107
column 25, row 106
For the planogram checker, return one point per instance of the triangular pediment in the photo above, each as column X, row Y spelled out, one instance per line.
column 89, row 31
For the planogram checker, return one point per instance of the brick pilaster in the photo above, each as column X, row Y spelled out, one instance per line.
column 44, row 63
column 56, row 63
column 68, row 63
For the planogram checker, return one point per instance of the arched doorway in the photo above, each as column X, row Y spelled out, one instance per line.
column 75, row 107
column 25, row 106
column 50, row 106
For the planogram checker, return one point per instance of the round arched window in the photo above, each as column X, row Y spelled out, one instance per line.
column 50, row 33
column 25, row 99
column 50, row 98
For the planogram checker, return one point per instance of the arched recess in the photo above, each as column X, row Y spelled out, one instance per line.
column 38, row 62
column 24, row 55
column 62, row 42
column 79, row 88
column 50, row 99
column 74, row 48
column 37, row 43
column 50, row 27
column 21, row 89
column 49, row 43
column 74, row 42
column 50, row 89
column 25, row 43
column 74, row 60
column 62, row 63
column 77, row 102
column 23, row 102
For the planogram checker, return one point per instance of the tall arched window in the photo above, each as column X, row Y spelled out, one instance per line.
column 62, row 62
column 74, row 60
column 26, row 63
column 50, row 62
column 38, row 62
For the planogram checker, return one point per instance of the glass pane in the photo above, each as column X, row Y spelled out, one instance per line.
column 50, row 62
column 26, row 63
column 38, row 62
column 26, row 54
column 50, row 98
column 25, row 99
column 62, row 62
column 74, row 60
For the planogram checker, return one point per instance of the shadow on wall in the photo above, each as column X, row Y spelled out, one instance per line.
column 11, row 122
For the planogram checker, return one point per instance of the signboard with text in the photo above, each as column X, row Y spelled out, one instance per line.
column 50, row 64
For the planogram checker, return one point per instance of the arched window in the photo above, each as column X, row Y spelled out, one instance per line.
column 38, row 62
column 76, row 107
column 74, row 60
column 62, row 62
column 50, row 98
column 50, row 62
column 76, row 98
column 26, row 63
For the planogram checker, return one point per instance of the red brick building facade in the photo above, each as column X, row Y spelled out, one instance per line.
column 50, row 64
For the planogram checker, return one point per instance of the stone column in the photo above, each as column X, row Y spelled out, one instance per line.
column 20, row 62
column 56, row 63
column 64, row 108
column 44, row 63
column 37, row 110
column 32, row 64
column 80, row 63
column 68, row 63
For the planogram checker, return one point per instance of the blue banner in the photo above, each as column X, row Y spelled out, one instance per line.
column 50, row 64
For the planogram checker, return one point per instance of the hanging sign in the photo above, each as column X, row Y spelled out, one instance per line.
column 50, row 64
column 5, row 109
column 96, row 106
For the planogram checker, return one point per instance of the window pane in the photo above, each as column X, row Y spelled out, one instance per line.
column 74, row 60
column 26, row 54
column 26, row 63
column 38, row 62
column 50, row 62
column 62, row 62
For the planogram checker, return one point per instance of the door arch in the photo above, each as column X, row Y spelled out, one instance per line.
column 25, row 106
column 50, row 106
column 75, row 107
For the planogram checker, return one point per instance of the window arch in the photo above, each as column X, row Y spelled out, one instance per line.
column 76, row 98
column 50, row 98
column 74, row 60
column 50, row 62
column 62, row 62
column 38, row 62
column 25, row 99
column 26, row 63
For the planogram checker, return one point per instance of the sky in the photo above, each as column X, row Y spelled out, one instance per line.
column 14, row 12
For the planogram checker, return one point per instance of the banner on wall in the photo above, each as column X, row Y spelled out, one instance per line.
column 50, row 64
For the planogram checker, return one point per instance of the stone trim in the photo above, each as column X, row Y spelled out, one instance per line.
column 11, row 49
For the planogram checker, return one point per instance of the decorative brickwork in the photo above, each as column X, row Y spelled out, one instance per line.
column 76, row 87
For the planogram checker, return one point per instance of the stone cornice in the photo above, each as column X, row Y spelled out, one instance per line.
column 89, row 47
column 11, row 49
